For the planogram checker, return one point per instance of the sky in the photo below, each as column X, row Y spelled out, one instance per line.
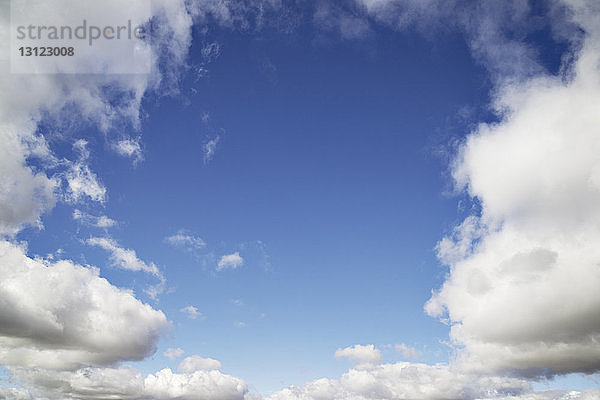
column 309, row 200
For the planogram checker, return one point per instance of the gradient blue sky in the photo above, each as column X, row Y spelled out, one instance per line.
column 330, row 177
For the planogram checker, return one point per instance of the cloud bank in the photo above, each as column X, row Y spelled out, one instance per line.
column 521, row 293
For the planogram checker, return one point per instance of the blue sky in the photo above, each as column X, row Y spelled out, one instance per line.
column 300, row 199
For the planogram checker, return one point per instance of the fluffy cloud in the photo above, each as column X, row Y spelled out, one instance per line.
column 126, row 382
column 59, row 322
column 191, row 364
column 68, row 100
column 199, row 385
column 522, row 291
column 402, row 381
column 62, row 316
column 230, row 261
column 24, row 192
column 360, row 354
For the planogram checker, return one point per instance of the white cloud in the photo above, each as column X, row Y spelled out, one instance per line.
column 199, row 385
column 81, row 181
column 403, row 380
column 239, row 324
column 230, row 261
column 186, row 241
column 360, row 354
column 25, row 194
column 125, row 382
column 191, row 364
column 237, row 302
column 61, row 315
column 127, row 259
column 399, row 381
column 172, row 353
column 521, row 295
column 7, row 393
column 129, row 148
column 123, row 258
column 99, row 222
column 209, row 148
column 70, row 101
column 192, row 312
column 591, row 394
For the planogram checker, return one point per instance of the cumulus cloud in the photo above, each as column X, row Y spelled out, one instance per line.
column 401, row 381
column 186, row 240
column 192, row 312
column 191, row 364
column 25, row 194
column 102, row 100
column 360, row 354
column 522, row 293
column 126, row 382
column 60, row 323
column 230, row 261
column 62, row 316
column 199, row 385
column 522, row 289
column 173, row 353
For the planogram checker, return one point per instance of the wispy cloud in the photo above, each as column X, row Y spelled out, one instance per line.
column 209, row 148
column 192, row 312
column 407, row 351
column 81, row 181
column 130, row 148
column 173, row 353
column 99, row 222
column 186, row 240
column 121, row 257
